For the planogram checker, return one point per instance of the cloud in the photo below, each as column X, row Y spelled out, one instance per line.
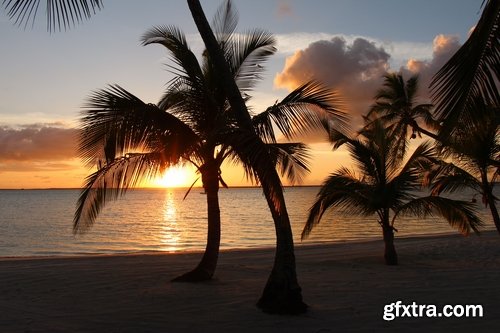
column 354, row 69
column 37, row 143
column 443, row 48
column 355, row 65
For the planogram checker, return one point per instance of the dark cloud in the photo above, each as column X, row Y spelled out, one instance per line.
column 355, row 70
column 37, row 142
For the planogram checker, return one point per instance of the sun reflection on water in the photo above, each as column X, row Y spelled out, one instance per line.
column 170, row 233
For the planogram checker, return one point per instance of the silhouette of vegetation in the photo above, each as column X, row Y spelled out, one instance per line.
column 193, row 123
column 471, row 151
column 395, row 105
column 60, row 14
column 470, row 78
column 384, row 185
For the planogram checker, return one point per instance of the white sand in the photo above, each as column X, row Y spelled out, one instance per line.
column 346, row 286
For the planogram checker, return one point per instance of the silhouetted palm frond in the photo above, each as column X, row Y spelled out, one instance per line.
column 61, row 14
column 112, row 181
column 115, row 123
column 470, row 78
column 310, row 107
column 459, row 214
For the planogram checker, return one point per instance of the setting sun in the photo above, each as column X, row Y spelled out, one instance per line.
column 175, row 177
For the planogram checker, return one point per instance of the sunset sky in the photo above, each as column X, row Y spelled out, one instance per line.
column 347, row 44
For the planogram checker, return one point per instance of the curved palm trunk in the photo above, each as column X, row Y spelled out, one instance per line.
column 390, row 255
column 206, row 268
column 490, row 199
column 282, row 293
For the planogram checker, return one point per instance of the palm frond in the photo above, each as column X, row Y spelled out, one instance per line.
column 224, row 23
column 247, row 54
column 291, row 159
column 61, row 14
column 471, row 76
column 461, row 215
column 175, row 41
column 342, row 190
column 115, row 122
column 110, row 182
column 308, row 108
column 449, row 178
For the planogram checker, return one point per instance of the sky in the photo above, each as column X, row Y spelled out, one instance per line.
column 346, row 44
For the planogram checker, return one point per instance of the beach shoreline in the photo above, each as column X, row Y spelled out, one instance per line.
column 346, row 285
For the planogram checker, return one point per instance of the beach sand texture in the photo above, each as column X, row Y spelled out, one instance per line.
column 346, row 286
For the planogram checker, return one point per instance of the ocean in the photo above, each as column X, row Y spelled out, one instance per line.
column 39, row 222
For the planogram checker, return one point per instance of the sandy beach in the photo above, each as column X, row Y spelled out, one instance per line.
column 346, row 286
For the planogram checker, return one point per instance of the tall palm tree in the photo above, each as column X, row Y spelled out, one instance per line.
column 396, row 106
column 385, row 185
column 209, row 134
column 472, row 151
column 471, row 77
column 282, row 293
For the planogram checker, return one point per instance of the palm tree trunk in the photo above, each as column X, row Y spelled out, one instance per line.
column 490, row 199
column 282, row 293
column 390, row 255
column 206, row 268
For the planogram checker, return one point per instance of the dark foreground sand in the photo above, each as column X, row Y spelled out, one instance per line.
column 345, row 285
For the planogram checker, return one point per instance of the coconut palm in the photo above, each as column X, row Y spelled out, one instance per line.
column 118, row 125
column 385, row 185
column 470, row 78
column 282, row 293
column 396, row 106
column 472, row 151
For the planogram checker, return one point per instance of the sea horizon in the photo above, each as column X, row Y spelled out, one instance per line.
column 38, row 222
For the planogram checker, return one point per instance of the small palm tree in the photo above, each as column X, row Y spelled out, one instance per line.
column 396, row 106
column 385, row 186
column 194, row 124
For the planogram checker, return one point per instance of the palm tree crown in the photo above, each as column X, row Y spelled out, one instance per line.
column 396, row 106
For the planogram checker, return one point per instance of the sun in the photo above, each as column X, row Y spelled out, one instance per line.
column 174, row 177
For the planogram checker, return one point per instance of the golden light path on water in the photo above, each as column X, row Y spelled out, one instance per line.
column 170, row 229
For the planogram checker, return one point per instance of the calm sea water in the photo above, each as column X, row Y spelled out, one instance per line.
column 39, row 222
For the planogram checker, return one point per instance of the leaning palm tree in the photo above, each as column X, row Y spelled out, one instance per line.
column 471, row 151
column 282, row 293
column 385, row 185
column 396, row 106
column 209, row 133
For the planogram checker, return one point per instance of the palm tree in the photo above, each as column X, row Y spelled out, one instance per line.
column 470, row 78
column 396, row 106
column 472, row 151
column 384, row 185
column 282, row 293
column 209, row 134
